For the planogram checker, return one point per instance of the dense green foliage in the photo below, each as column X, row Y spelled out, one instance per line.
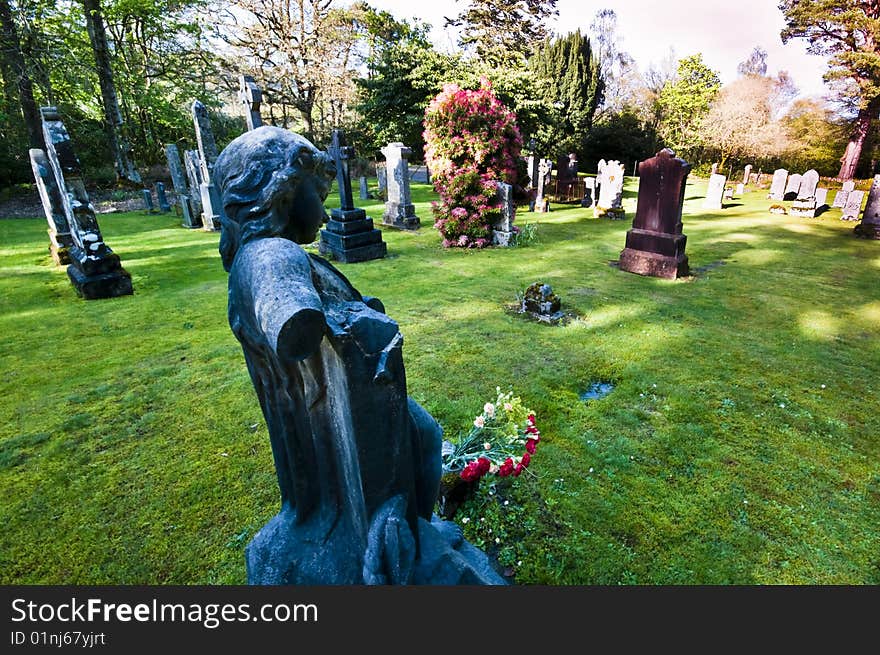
column 685, row 102
column 740, row 444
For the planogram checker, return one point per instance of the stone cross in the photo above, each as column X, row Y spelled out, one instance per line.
column 250, row 96
column 655, row 244
column 715, row 192
column 777, row 186
column 341, row 154
column 212, row 209
column 399, row 210
column 869, row 228
column 53, row 206
column 95, row 270
column 853, row 206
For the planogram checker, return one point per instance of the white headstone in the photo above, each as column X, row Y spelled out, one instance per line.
column 715, row 192
column 777, row 186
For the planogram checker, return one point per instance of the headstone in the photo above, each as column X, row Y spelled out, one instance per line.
column 853, row 206
column 728, row 193
column 542, row 304
column 715, row 192
column 740, row 189
column 589, row 192
column 610, row 201
column 714, row 169
column 181, row 188
column 382, row 177
column 365, row 189
column 148, row 201
column 358, row 462
column 777, row 186
column 821, row 198
column 542, row 204
column 805, row 203
column 350, row 236
column 840, row 197
column 250, row 96
column 194, row 175
column 655, row 245
column 869, row 228
column 399, row 210
column 212, row 211
column 161, row 198
column 754, row 179
column 95, row 270
column 792, row 187
column 746, row 173
column 60, row 239
column 503, row 233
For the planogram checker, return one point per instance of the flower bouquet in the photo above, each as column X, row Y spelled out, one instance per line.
column 500, row 443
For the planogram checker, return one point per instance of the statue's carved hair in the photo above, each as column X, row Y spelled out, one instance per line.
column 251, row 173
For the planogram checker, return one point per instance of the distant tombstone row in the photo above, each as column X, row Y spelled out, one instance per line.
column 869, row 228
column 95, row 270
column 655, row 245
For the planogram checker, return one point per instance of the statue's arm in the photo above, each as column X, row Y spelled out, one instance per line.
column 287, row 306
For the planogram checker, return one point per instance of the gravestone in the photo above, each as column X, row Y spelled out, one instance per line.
column 399, row 210
column 503, row 233
column 840, row 197
column 148, row 201
column 610, row 201
column 194, row 175
column 358, row 461
column 250, row 96
column 539, row 302
column 542, row 204
column 212, row 211
column 821, row 198
column 161, row 198
column 777, row 185
column 655, row 245
column 853, row 206
column 532, row 163
column 746, row 173
column 715, row 192
column 740, row 189
column 95, row 270
column 181, row 188
column 350, row 236
column 792, row 187
column 60, row 239
column 728, row 193
column 566, row 178
column 589, row 192
column 754, row 179
column 714, row 169
column 382, row 177
column 869, row 228
column 805, row 203
column 364, row 188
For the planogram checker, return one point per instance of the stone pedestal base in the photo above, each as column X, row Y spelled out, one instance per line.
column 805, row 208
column 654, row 253
column 96, row 277
column 350, row 237
column 503, row 238
column 867, row 230
column 401, row 216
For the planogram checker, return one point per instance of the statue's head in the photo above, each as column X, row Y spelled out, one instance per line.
column 273, row 183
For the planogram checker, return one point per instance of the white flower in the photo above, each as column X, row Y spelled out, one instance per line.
column 823, row 386
column 487, row 446
column 782, row 405
column 508, row 407
column 497, row 540
column 479, row 422
column 591, row 469
column 489, row 410
column 465, row 519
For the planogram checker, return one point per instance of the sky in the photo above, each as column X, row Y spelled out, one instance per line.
column 725, row 32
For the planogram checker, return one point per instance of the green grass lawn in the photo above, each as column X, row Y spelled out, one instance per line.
column 741, row 443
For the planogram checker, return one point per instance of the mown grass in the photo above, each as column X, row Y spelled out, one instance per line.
column 739, row 446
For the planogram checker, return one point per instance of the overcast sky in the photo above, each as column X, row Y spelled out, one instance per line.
column 725, row 32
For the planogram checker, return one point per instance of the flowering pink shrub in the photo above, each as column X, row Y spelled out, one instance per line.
column 472, row 142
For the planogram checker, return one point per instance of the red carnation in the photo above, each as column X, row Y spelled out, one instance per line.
column 519, row 469
column 526, row 459
column 506, row 468
column 532, row 419
column 483, row 465
column 531, row 446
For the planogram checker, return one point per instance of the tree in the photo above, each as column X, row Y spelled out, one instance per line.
column 755, row 64
column 816, row 136
column 502, row 31
column 14, row 66
column 848, row 32
column 685, row 102
column 570, row 79
column 618, row 69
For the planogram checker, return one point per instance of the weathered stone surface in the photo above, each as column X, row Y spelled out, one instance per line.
column 655, row 245
column 399, row 210
column 777, row 186
column 94, row 270
column 610, row 181
column 715, row 192
column 805, row 203
column 792, row 187
column 821, row 198
column 740, row 189
column 194, row 175
column 589, row 192
column 147, row 195
column 869, row 228
column 60, row 240
column 853, row 206
column 364, row 188
column 358, row 462
column 503, row 233
column 212, row 210
column 545, row 166
column 841, row 195
column 161, row 198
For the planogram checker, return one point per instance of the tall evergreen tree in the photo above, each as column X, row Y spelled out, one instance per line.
column 848, row 32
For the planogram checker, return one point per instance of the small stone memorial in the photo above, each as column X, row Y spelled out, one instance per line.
column 840, row 196
column 540, row 303
column 350, row 236
column 542, row 204
column 805, row 203
column 399, row 210
column 503, row 232
column 212, row 211
column 655, row 245
column 382, row 178
column 95, row 270
column 181, row 188
column 740, row 189
column 194, row 174
column 610, row 201
column 853, row 206
column 161, row 198
column 250, row 96
column 821, row 198
column 792, row 187
column 715, row 192
column 60, row 239
column 777, row 185
column 148, row 201
column 869, row 228
column 364, row 188
column 746, row 173
column 358, row 462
